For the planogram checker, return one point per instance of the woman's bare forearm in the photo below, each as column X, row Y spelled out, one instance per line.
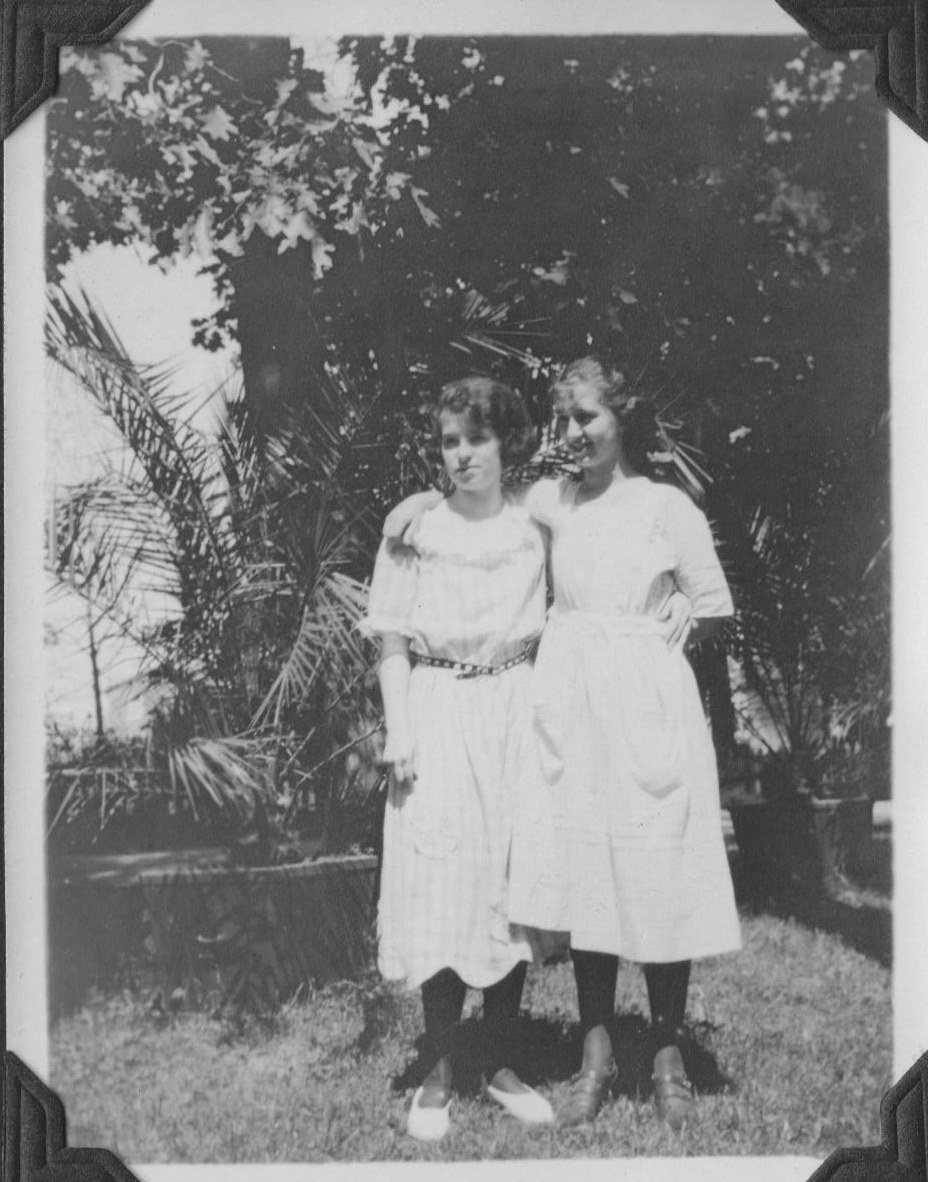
column 393, row 674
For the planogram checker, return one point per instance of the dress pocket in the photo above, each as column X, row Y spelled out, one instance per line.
column 654, row 744
column 434, row 839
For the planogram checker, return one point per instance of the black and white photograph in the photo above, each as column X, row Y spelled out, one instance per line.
column 466, row 676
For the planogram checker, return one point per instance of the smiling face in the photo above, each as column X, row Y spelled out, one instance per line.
column 588, row 429
column 471, row 454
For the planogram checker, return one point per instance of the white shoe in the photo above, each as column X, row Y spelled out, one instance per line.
column 525, row 1104
column 427, row 1124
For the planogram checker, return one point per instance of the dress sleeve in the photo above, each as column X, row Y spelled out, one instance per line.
column 697, row 569
column 393, row 590
column 541, row 500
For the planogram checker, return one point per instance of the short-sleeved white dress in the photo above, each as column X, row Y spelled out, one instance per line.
column 473, row 592
column 618, row 837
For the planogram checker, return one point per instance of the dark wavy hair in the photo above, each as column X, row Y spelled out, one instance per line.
column 641, row 432
column 488, row 403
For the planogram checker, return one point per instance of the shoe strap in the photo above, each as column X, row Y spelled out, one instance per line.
column 674, row 1079
column 597, row 1075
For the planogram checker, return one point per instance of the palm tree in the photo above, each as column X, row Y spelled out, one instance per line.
column 252, row 545
column 812, row 644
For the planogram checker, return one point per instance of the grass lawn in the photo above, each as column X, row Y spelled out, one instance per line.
column 791, row 1054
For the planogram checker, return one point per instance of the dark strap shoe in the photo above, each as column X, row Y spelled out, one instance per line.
column 588, row 1091
column 673, row 1092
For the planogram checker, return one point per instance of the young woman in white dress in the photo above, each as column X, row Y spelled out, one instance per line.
column 619, row 840
column 617, row 834
column 459, row 617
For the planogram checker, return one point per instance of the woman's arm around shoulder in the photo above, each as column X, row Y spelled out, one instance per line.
column 540, row 498
column 403, row 519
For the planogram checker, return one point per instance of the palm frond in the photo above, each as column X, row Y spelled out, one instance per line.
column 175, row 464
column 227, row 773
column 688, row 470
column 327, row 651
column 490, row 328
column 108, row 533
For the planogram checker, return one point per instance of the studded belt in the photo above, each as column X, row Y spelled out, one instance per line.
column 464, row 669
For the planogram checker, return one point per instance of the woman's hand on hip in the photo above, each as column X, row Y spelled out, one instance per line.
column 677, row 620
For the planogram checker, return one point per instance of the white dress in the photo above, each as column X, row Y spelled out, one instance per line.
column 618, row 837
column 471, row 592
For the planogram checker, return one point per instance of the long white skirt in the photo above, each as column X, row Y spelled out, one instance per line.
column 617, row 835
column 443, row 895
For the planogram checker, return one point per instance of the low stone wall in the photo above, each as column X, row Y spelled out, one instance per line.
column 201, row 932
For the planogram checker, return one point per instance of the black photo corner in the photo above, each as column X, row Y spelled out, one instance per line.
column 35, row 1145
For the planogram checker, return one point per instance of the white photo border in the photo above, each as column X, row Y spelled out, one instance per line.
column 25, row 372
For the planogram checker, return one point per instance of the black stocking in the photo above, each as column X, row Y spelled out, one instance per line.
column 596, row 974
column 442, row 1004
column 500, row 1011
column 667, row 987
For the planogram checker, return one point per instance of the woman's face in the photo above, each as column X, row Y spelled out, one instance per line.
column 588, row 429
column 471, row 454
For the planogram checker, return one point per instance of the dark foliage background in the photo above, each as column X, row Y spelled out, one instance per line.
column 710, row 212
